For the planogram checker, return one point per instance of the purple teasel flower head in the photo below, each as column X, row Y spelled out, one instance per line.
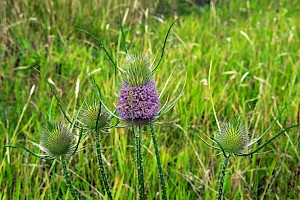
column 138, row 100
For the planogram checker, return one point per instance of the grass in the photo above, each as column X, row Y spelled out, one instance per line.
column 254, row 50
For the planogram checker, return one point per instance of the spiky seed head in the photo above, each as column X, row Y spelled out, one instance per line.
column 233, row 136
column 57, row 140
column 139, row 104
column 138, row 72
column 89, row 115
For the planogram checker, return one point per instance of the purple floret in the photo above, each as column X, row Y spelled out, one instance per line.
column 138, row 103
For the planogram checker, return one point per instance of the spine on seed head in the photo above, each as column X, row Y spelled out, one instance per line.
column 89, row 115
column 138, row 72
column 233, row 136
column 57, row 140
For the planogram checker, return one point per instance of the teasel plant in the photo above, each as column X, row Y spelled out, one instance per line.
column 139, row 103
column 233, row 139
column 91, row 117
column 95, row 119
column 58, row 141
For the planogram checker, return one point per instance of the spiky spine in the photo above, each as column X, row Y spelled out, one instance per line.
column 67, row 178
column 89, row 115
column 159, row 166
column 222, row 176
column 57, row 140
column 138, row 71
column 233, row 136
column 139, row 162
column 101, row 166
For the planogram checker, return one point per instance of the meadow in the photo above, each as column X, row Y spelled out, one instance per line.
column 253, row 48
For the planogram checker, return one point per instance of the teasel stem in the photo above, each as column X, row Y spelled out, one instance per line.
column 68, row 178
column 222, row 176
column 101, row 166
column 139, row 161
column 159, row 166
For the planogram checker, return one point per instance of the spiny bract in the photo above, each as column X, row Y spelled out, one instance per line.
column 57, row 140
column 233, row 136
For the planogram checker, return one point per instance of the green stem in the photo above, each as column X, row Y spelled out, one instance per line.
column 222, row 176
column 139, row 163
column 101, row 166
column 67, row 178
column 159, row 166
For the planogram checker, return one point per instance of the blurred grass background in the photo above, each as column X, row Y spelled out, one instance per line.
column 255, row 54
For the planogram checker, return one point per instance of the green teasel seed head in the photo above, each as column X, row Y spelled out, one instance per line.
column 57, row 140
column 89, row 115
column 233, row 136
column 138, row 72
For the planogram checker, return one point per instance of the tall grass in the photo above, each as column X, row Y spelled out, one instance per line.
column 254, row 49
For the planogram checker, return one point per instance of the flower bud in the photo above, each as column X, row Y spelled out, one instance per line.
column 89, row 115
column 57, row 140
column 233, row 136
